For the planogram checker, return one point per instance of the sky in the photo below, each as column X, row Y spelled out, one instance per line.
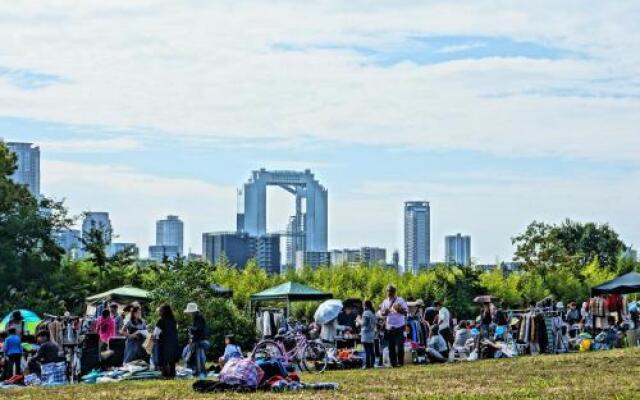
column 498, row 113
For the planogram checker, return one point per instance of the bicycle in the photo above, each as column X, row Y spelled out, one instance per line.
column 310, row 356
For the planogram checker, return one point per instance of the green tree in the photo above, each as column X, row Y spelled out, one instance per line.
column 545, row 247
column 28, row 253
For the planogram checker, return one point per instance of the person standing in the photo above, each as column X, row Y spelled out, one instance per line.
column 13, row 351
column 199, row 333
column 444, row 323
column 394, row 309
column 368, row 333
column 105, row 328
column 166, row 335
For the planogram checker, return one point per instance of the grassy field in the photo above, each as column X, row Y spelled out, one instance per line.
column 601, row 375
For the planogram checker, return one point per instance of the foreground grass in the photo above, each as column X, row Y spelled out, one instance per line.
column 601, row 375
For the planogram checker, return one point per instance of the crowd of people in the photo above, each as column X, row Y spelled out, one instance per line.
column 385, row 332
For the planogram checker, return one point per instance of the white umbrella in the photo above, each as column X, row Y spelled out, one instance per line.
column 328, row 311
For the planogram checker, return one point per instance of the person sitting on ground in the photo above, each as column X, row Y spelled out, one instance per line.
column 13, row 351
column 462, row 336
column 231, row 350
column 437, row 348
column 49, row 352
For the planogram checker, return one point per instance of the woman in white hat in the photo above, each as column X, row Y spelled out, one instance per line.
column 199, row 334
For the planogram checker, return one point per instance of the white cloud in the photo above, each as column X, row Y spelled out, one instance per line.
column 135, row 200
column 90, row 145
column 210, row 70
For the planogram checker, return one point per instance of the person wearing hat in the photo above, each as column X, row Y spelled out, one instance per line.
column 394, row 309
column 199, row 334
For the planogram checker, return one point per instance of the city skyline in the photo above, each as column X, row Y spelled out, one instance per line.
column 497, row 114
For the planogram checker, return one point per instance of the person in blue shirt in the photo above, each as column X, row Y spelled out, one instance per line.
column 13, row 351
column 231, row 351
column 437, row 348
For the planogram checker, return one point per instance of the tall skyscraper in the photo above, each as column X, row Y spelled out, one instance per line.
column 170, row 232
column 457, row 250
column 417, row 235
column 98, row 221
column 311, row 199
column 28, row 172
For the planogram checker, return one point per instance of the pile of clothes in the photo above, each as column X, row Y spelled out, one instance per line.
column 246, row 375
column 52, row 374
column 133, row 371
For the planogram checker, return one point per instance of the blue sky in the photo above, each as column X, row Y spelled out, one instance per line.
column 496, row 115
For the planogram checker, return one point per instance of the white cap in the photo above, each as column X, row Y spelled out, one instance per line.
column 191, row 308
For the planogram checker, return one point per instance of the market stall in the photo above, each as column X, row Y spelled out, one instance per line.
column 272, row 306
column 123, row 296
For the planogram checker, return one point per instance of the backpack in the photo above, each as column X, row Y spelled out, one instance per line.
column 241, row 372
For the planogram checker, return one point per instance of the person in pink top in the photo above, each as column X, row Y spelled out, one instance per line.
column 105, row 327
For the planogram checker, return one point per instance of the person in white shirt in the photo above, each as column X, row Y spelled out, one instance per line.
column 444, row 322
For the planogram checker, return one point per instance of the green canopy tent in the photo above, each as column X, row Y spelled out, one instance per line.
column 287, row 293
column 123, row 295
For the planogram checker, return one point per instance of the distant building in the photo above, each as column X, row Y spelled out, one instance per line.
column 373, row 255
column 344, row 257
column 170, row 232
column 267, row 253
column 71, row 241
column 457, row 250
column 395, row 260
column 417, row 235
column 161, row 253
column 238, row 248
column 295, row 239
column 115, row 248
column 313, row 259
column 97, row 221
column 28, row 172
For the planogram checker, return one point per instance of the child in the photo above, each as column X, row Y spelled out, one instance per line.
column 231, row 351
column 13, row 351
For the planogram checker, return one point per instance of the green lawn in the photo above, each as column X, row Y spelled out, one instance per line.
column 598, row 375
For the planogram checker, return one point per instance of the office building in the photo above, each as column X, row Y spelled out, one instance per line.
column 97, row 221
column 313, row 259
column 28, row 171
column 373, row 256
column 311, row 205
column 345, row 257
column 115, row 248
column 457, row 250
column 417, row 235
column 267, row 253
column 70, row 240
column 160, row 253
column 237, row 248
column 170, row 232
